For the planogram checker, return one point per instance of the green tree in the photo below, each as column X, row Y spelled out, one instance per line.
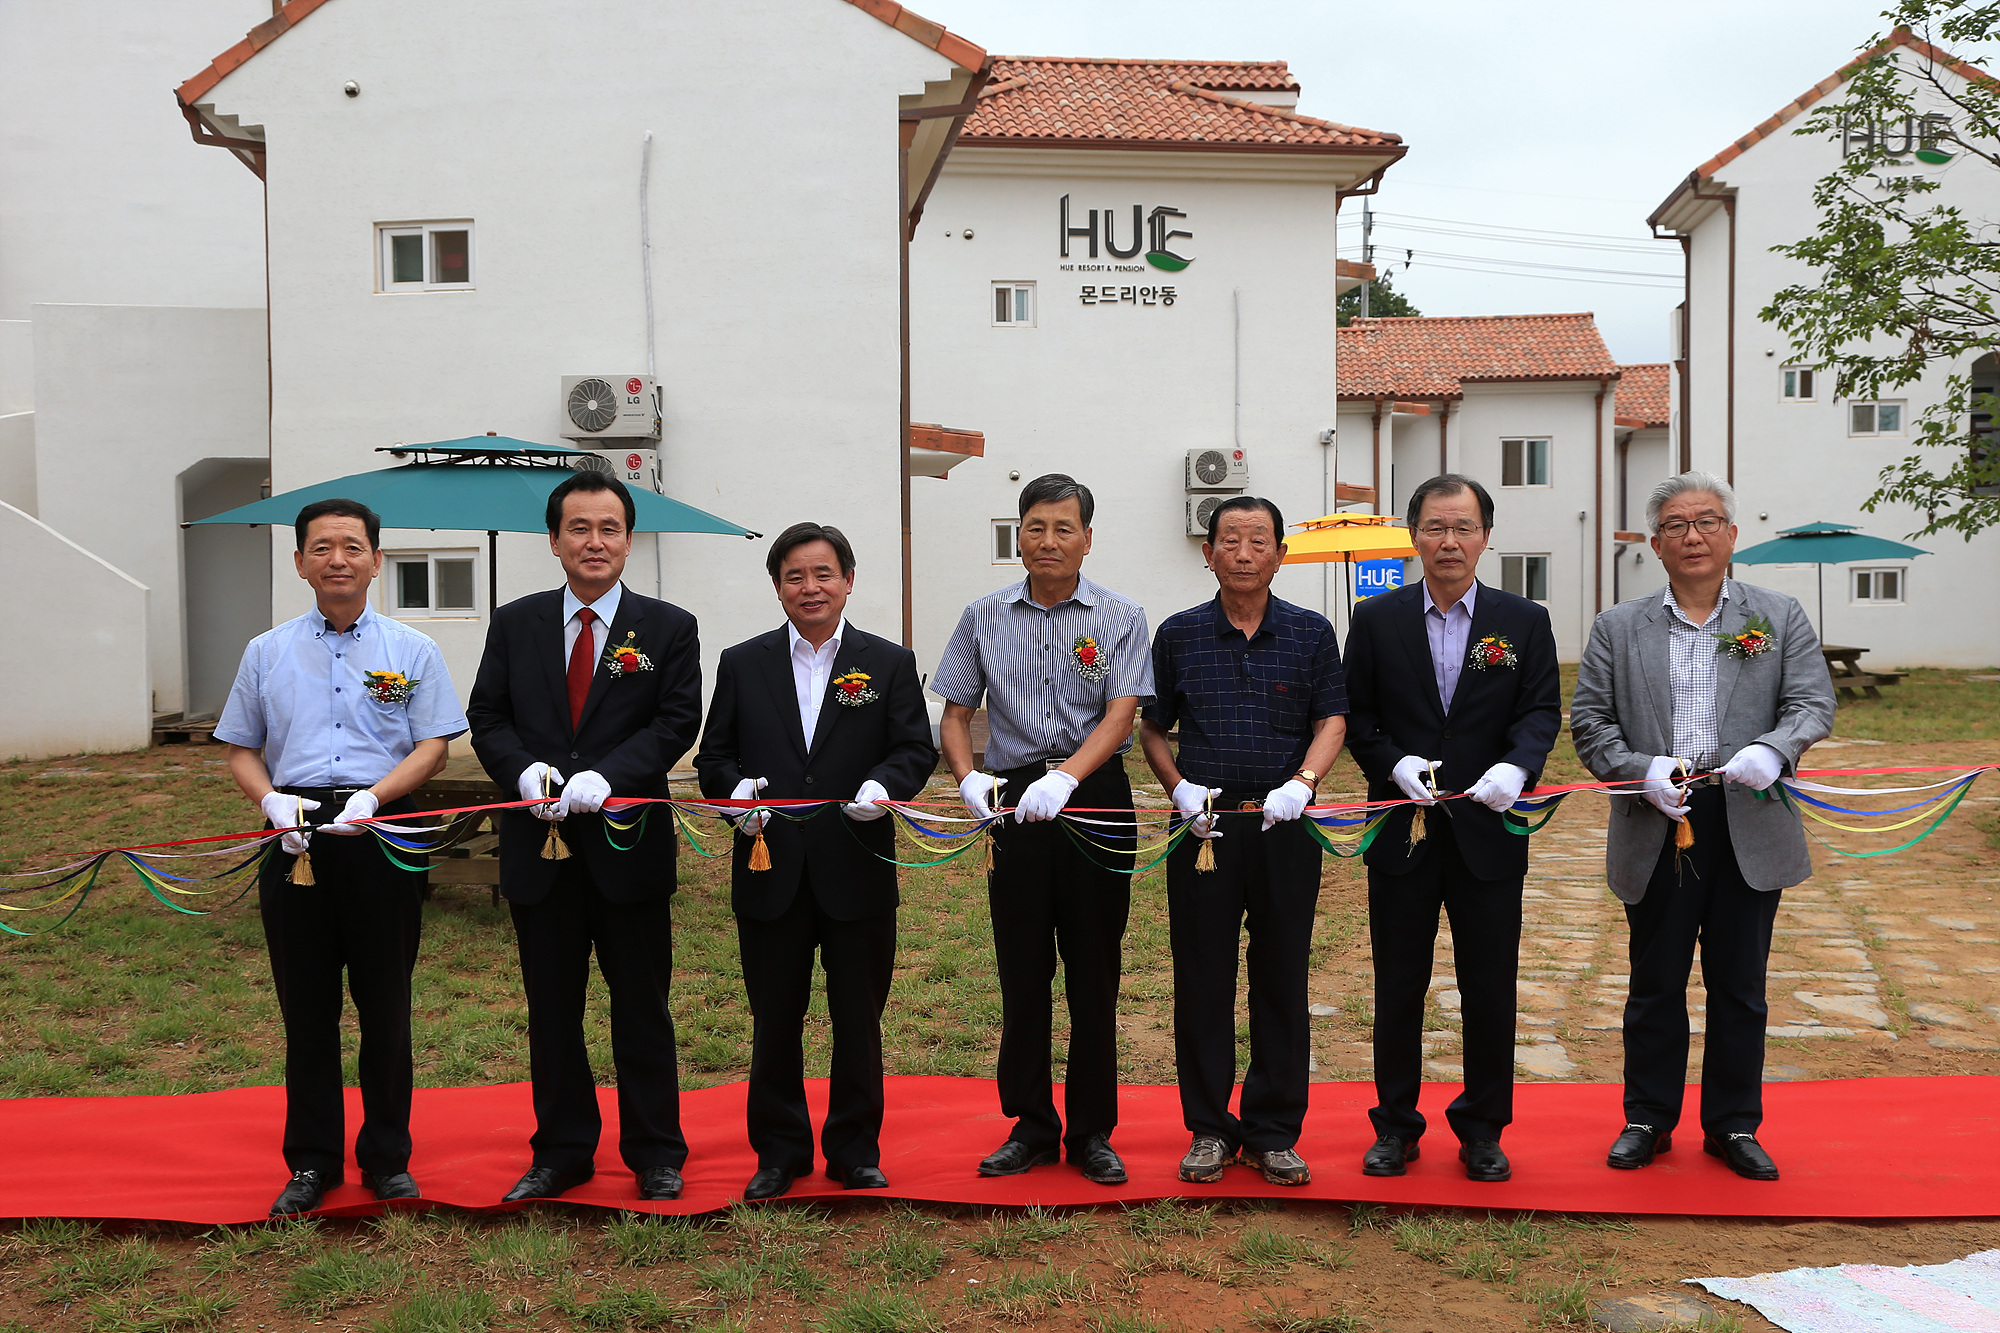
column 1906, row 284
column 1383, row 301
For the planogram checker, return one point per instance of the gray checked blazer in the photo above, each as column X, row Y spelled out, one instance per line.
column 1622, row 716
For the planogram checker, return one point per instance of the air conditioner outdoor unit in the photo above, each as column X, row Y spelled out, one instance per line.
column 636, row 467
column 1199, row 507
column 610, row 407
column 1217, row 470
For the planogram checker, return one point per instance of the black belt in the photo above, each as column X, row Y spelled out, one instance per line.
column 1048, row 765
column 322, row 793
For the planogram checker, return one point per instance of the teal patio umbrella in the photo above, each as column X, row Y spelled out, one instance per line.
column 488, row 483
column 1823, row 544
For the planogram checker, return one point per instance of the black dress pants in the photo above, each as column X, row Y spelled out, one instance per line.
column 1268, row 881
column 1051, row 897
column 362, row 916
column 1701, row 900
column 635, row 952
column 1486, row 943
column 860, row 962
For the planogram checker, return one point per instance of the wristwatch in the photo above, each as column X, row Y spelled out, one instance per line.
column 1307, row 776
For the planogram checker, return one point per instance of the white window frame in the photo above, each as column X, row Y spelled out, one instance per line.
column 1012, row 527
column 1902, row 407
column 1016, row 289
column 1522, row 579
column 392, row 584
column 1548, row 452
column 385, row 232
column 1791, row 379
column 1871, row 577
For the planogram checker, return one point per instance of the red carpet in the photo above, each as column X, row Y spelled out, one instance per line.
column 1871, row 1147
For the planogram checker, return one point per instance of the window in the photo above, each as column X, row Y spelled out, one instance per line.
column 1983, row 389
column 1875, row 418
column 1006, row 541
column 1524, row 462
column 1014, row 304
column 1878, row 587
column 1798, row 384
column 432, row 584
column 424, row 256
column 1525, row 576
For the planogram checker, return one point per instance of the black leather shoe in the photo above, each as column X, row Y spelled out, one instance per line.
column 659, row 1182
column 302, row 1193
column 1484, row 1161
column 1637, row 1146
column 1742, row 1154
column 1099, row 1163
column 770, row 1182
column 1388, row 1155
column 402, row 1185
column 1013, row 1157
column 860, row 1178
column 546, row 1182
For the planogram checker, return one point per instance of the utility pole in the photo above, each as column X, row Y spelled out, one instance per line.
column 1367, row 251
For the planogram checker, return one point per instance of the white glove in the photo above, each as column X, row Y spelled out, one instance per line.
column 864, row 805
column 361, row 805
column 1192, row 799
column 1755, row 766
column 1410, row 774
column 537, row 783
column 1500, row 787
column 979, row 791
column 1668, row 799
column 752, row 824
column 1286, row 803
column 284, row 811
column 1045, row 797
column 583, row 794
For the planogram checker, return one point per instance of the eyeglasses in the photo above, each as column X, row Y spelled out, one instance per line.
column 1707, row 526
column 1437, row 532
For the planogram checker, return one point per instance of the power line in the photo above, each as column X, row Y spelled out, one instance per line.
column 1503, row 226
column 1652, row 251
column 1556, row 277
column 1560, row 268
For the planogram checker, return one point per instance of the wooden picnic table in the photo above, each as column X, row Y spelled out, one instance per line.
column 1850, row 680
column 472, row 856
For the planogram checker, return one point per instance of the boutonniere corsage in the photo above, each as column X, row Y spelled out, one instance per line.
column 852, row 689
column 389, row 687
column 1754, row 640
column 1090, row 659
column 1492, row 651
column 625, row 659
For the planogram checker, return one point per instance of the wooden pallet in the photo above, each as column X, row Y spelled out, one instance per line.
column 175, row 729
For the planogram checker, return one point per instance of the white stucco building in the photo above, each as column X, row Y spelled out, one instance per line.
column 1126, row 261
column 1748, row 410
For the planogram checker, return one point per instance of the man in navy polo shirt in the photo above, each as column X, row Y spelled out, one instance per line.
column 1255, row 685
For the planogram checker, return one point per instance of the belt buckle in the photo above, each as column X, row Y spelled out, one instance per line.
column 1249, row 805
column 1054, row 762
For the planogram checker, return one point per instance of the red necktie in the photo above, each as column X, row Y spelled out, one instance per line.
column 582, row 663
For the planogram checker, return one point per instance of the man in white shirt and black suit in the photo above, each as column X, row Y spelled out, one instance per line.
column 597, row 682
column 817, row 709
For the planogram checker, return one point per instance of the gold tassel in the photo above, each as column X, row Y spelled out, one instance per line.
column 1416, row 826
column 1683, row 835
column 760, row 853
column 1204, row 860
column 302, row 867
column 553, row 846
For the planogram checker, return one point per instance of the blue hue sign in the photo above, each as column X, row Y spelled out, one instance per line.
column 1376, row 576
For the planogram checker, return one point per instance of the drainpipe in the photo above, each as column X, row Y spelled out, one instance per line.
column 908, row 130
column 1444, row 434
column 1375, row 453
column 1624, row 448
column 1597, row 499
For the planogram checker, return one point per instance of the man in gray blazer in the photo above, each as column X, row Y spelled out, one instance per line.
column 1727, row 680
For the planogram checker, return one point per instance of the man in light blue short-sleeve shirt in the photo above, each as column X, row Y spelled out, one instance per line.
column 337, row 716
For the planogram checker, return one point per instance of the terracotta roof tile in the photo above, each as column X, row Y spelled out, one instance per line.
column 1152, row 103
column 1417, row 357
column 913, row 25
column 1805, row 100
column 1642, row 395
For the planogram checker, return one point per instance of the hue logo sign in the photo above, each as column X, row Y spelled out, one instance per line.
column 1153, row 230
column 1924, row 138
column 1377, row 576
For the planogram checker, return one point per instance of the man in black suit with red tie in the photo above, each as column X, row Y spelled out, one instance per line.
column 595, row 681
column 1451, row 687
column 816, row 710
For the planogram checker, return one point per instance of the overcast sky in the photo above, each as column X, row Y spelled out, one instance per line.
column 1559, row 116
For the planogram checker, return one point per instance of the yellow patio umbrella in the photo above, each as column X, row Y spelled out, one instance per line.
column 1348, row 542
